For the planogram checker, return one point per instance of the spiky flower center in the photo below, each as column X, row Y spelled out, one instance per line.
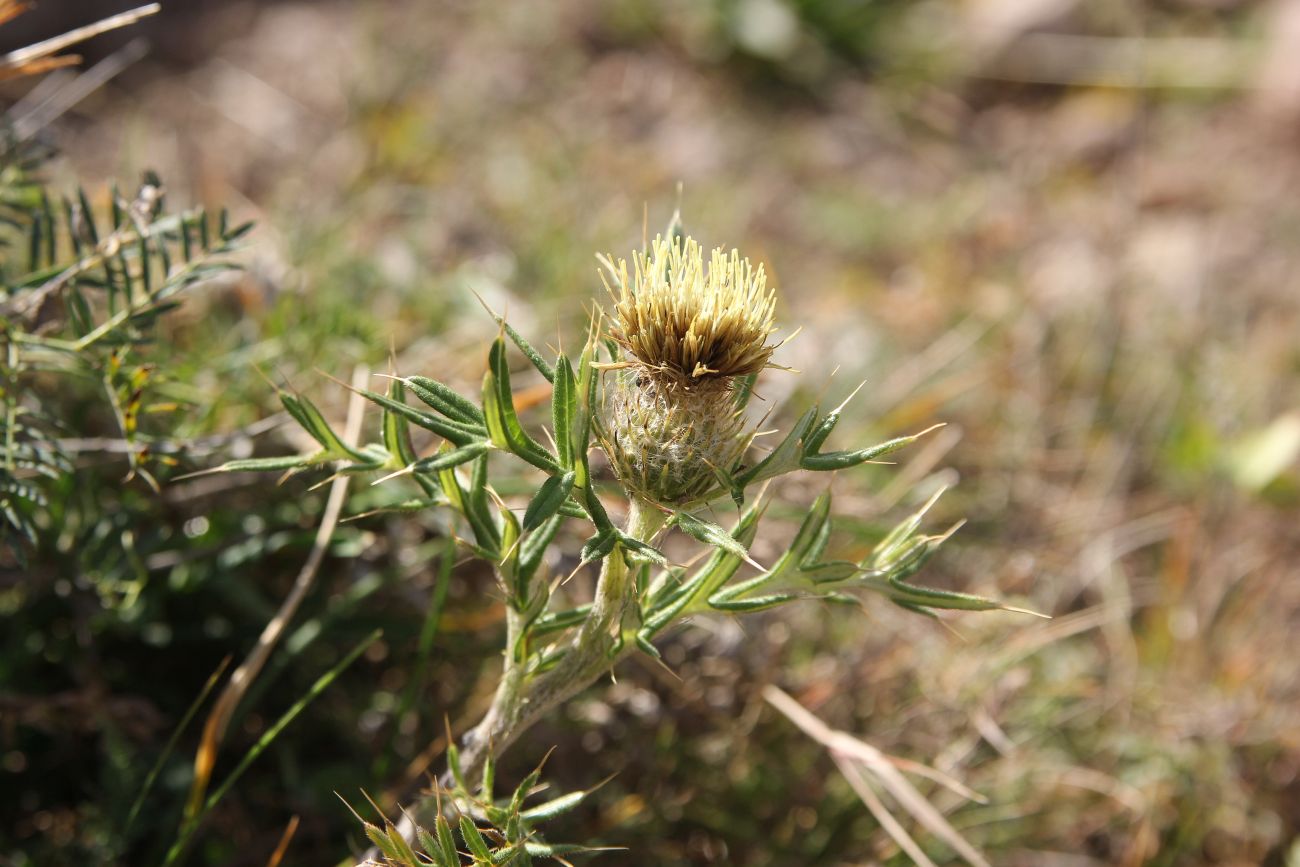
column 689, row 318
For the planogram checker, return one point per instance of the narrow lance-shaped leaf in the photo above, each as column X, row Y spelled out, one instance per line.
column 810, row 531
column 455, row 432
column 813, row 441
column 381, row 841
column 533, row 548
column 782, row 459
column 446, row 842
column 499, row 412
column 586, row 394
column 478, row 846
column 262, row 465
column 312, row 421
column 710, row 534
column 524, row 346
column 555, row 807
column 557, row 621
column 478, row 509
column 474, row 508
column 550, row 496
column 840, row 460
column 445, row 400
column 406, row 855
column 427, row 843
column 638, row 550
column 666, row 602
column 599, row 546
column 564, row 409
column 397, row 435
column 751, row 604
column 450, row 457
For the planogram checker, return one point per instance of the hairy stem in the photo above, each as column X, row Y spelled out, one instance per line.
column 519, row 702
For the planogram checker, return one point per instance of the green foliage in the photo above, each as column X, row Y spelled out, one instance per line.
column 476, row 828
column 79, row 313
column 472, row 432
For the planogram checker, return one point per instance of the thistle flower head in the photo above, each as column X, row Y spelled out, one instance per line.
column 689, row 318
column 670, row 422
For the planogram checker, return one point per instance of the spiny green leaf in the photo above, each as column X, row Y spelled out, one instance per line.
column 446, row 842
column 840, row 460
column 586, row 392
column 445, row 400
column 716, row 571
column 397, row 435
column 427, row 842
column 638, row 550
column 499, row 412
column 550, row 496
column 559, row 620
column 403, row 849
column 827, row 573
column 455, row 432
column 599, row 545
column 288, row 462
column 473, row 838
column 813, row 442
column 453, row 765
column 556, row 807
column 489, row 778
column 478, row 510
column 380, row 839
column 452, row 457
column 709, row 534
column 784, row 458
column 810, row 530
column 564, row 409
column 749, row 606
column 525, row 347
column 533, row 548
column 312, row 421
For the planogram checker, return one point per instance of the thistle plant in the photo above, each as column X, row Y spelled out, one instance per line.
column 662, row 389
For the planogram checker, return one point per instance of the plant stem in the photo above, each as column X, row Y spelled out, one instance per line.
column 520, row 702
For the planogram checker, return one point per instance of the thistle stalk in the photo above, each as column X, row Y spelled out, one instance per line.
column 597, row 646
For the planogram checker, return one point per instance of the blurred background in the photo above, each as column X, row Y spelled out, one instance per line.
column 1068, row 228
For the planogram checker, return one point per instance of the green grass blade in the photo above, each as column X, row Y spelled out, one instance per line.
column 152, row 776
column 321, row 684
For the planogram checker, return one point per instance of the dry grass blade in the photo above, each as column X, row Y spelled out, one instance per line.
column 11, row 9
column 22, row 58
column 845, row 747
column 278, row 855
column 39, row 66
column 858, row 781
column 215, row 728
column 79, row 88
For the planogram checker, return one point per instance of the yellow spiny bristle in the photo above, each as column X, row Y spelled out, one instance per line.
column 692, row 319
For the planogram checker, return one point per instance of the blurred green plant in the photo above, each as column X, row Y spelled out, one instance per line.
column 79, row 311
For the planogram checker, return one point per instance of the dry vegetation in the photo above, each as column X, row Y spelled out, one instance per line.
column 1093, row 285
